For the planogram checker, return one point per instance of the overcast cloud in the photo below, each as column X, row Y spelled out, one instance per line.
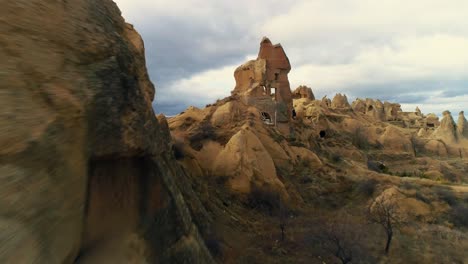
column 411, row 52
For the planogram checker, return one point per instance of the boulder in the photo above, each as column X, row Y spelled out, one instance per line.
column 246, row 164
column 395, row 141
column 223, row 115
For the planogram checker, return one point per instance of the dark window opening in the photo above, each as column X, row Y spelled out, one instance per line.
column 276, row 76
column 430, row 125
column 266, row 118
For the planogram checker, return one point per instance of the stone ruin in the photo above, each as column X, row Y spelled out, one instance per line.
column 264, row 83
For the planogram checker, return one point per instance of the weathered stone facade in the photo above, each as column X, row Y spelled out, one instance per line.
column 264, row 84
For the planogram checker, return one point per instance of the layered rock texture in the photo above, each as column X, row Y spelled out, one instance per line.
column 86, row 171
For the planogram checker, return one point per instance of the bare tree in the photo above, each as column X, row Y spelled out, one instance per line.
column 283, row 217
column 385, row 212
column 340, row 236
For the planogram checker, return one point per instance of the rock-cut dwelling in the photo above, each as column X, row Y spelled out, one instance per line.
column 264, row 83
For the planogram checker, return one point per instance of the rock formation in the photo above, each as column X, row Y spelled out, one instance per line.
column 447, row 130
column 325, row 102
column 418, row 111
column 432, row 120
column 359, row 106
column 86, row 167
column 394, row 140
column 247, row 164
column 462, row 126
column 264, row 84
column 391, row 111
column 340, row 101
column 303, row 92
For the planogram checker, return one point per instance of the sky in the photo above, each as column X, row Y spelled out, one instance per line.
column 411, row 52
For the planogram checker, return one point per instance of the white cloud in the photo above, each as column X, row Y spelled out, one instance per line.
column 414, row 51
column 428, row 58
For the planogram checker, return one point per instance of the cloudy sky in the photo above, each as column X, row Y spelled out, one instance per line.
column 411, row 52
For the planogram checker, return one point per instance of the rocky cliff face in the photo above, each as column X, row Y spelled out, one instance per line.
column 84, row 161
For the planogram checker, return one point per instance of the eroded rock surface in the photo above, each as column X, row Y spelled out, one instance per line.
column 84, row 161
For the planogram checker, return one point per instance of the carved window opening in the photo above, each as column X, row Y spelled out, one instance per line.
column 273, row 94
column 266, row 118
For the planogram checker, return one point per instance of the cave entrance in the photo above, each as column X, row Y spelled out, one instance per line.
column 322, row 134
column 370, row 108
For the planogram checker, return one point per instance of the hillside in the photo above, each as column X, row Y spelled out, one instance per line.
column 257, row 167
column 89, row 173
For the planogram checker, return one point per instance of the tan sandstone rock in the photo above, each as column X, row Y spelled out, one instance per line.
column 246, row 164
column 394, row 140
column 462, row 126
column 340, row 101
column 303, row 92
column 447, row 130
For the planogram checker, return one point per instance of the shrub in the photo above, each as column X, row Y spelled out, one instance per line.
column 263, row 199
column 335, row 158
column 446, row 195
column 421, row 197
column 459, row 215
column 203, row 132
column 377, row 166
column 214, row 246
column 408, row 185
column 367, row 187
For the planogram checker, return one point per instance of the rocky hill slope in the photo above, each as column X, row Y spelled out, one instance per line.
column 267, row 155
column 89, row 174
